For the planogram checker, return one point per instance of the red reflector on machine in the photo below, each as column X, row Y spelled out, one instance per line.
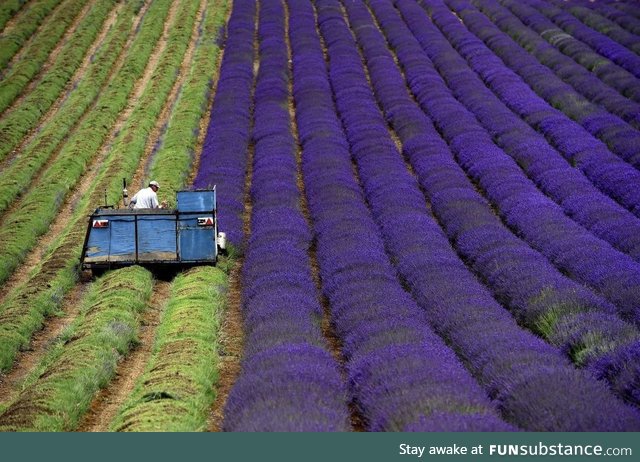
column 205, row 221
column 100, row 223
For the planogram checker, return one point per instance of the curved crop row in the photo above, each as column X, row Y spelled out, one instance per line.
column 8, row 9
column 535, row 217
column 28, row 22
column 628, row 8
column 401, row 375
column 175, row 392
column 546, row 31
column 584, row 81
column 541, row 298
column 619, row 136
column 289, row 381
column 20, row 171
column 85, row 356
column 513, row 365
column 36, row 52
column 602, row 44
column 224, row 156
column 625, row 20
column 608, row 172
column 175, row 156
column 129, row 146
column 21, row 228
column 544, row 165
column 26, row 307
column 603, row 24
column 15, row 124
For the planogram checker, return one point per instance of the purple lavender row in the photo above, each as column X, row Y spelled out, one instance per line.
column 608, row 172
column 503, row 357
column 561, row 311
column 621, row 138
column 593, row 15
column 625, row 20
column 224, row 155
column 602, row 44
column 544, row 165
column 531, row 214
column 618, row 366
column 401, row 375
column 584, row 81
column 615, row 76
column 289, row 380
column 628, row 8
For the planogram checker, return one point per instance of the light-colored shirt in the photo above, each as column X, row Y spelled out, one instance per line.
column 145, row 199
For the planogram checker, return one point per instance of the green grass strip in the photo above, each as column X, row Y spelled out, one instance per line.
column 176, row 390
column 18, row 122
column 174, row 158
column 37, row 51
column 11, row 41
column 8, row 8
column 85, row 357
column 21, row 228
column 18, row 175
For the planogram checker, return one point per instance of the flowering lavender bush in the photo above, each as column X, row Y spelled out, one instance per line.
column 627, row 21
column 540, row 297
column 544, row 165
column 594, row 39
column 289, row 380
column 605, row 20
column 454, row 301
column 581, row 79
column 400, row 373
column 605, row 170
column 606, row 70
column 595, row 120
column 530, row 213
column 224, row 155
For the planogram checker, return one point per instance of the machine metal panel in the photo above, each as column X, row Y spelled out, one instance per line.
column 113, row 243
column 197, row 242
column 122, row 237
column 157, row 238
column 196, row 201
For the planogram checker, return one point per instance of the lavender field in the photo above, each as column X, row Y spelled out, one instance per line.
column 432, row 209
column 444, row 222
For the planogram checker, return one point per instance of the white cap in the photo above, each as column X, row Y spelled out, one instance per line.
column 154, row 183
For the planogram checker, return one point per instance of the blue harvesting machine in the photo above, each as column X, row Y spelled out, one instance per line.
column 155, row 238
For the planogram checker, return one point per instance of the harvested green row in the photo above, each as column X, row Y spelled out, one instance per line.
column 176, row 390
column 85, row 356
column 21, row 228
column 37, row 51
column 26, row 307
column 7, row 9
column 18, row 175
column 19, row 121
column 176, row 154
column 130, row 146
column 11, row 41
